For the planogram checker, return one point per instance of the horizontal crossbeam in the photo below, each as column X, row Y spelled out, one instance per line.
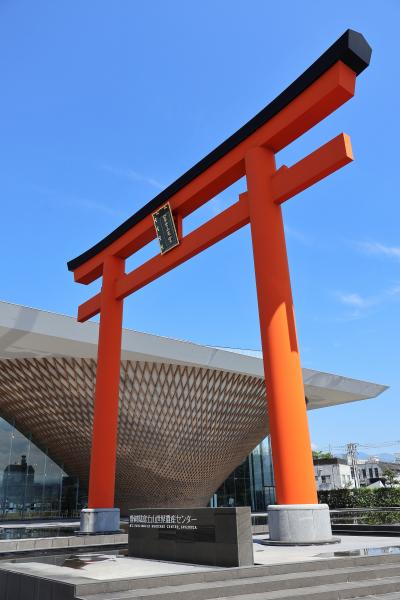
column 90, row 308
column 351, row 50
column 287, row 182
column 215, row 230
column 320, row 99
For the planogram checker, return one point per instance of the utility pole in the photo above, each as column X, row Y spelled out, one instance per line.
column 352, row 460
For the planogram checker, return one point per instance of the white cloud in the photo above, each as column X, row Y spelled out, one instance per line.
column 361, row 305
column 297, row 235
column 133, row 176
column 353, row 299
column 376, row 248
column 57, row 197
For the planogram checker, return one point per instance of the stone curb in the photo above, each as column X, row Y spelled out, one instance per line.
column 49, row 543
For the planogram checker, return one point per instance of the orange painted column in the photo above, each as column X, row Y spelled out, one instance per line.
column 106, row 402
column 290, row 439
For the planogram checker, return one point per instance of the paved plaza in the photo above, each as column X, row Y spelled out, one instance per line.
column 109, row 564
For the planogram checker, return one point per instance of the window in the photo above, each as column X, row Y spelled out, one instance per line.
column 326, row 478
column 251, row 483
column 376, row 472
column 30, row 482
column 364, row 473
column 370, row 473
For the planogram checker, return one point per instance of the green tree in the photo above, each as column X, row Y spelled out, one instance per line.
column 390, row 476
column 321, row 454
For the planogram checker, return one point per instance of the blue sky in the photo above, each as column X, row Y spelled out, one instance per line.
column 105, row 103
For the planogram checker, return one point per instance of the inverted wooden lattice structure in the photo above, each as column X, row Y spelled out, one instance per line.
column 176, row 443
column 250, row 152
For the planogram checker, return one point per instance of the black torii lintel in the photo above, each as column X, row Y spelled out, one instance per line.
column 351, row 48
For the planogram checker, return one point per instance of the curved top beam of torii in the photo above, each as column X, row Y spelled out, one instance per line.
column 351, row 49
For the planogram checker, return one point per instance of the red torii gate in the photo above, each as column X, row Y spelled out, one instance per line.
column 250, row 152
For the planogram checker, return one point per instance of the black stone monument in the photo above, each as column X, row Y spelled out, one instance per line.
column 208, row 536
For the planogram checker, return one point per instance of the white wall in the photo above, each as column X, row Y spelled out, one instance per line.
column 333, row 477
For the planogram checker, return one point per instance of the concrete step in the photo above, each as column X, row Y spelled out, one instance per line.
column 261, row 585
column 365, row 531
column 394, row 596
column 157, row 581
column 379, row 589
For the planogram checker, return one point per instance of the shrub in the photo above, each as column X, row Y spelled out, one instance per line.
column 360, row 498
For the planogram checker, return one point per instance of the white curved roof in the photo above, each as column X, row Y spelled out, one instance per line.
column 29, row 332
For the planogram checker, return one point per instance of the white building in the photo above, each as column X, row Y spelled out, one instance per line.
column 335, row 473
column 332, row 474
column 372, row 470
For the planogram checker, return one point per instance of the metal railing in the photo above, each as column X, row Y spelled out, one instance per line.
column 36, row 515
column 366, row 516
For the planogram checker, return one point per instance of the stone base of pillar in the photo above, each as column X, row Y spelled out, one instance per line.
column 299, row 524
column 99, row 520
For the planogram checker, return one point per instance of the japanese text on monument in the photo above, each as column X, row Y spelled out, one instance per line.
column 163, row 521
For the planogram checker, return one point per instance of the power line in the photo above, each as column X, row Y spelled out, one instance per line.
column 386, row 444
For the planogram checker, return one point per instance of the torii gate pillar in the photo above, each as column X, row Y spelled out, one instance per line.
column 294, row 519
column 105, row 419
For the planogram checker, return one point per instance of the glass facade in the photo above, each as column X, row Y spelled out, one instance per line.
column 31, row 484
column 251, row 483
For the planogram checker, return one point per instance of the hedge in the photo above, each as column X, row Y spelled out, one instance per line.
column 360, row 498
